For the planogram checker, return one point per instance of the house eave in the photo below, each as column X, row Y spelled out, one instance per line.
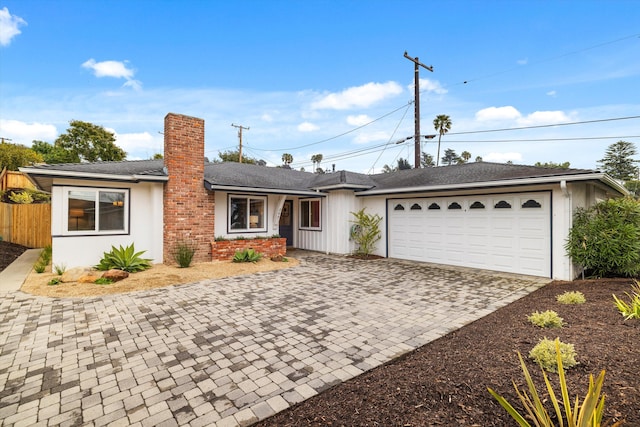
column 601, row 177
column 342, row 187
column 92, row 176
column 257, row 190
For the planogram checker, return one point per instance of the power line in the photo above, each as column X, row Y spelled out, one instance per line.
column 337, row 136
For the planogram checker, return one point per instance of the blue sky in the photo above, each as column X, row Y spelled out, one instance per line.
column 328, row 77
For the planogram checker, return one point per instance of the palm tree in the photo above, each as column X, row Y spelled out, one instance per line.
column 442, row 124
column 465, row 156
column 316, row 159
column 287, row 159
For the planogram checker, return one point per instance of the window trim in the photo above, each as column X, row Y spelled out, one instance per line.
column 248, row 198
column 300, row 210
column 66, row 189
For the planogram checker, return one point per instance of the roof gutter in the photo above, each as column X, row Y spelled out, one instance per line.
column 511, row 182
column 88, row 175
column 239, row 189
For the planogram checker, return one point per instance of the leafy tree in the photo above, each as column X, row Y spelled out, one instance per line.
column 450, row 157
column 634, row 187
column 403, row 164
column 159, row 156
column 13, row 156
column 234, row 156
column 427, row 160
column 442, row 124
column 553, row 165
column 53, row 153
column 478, row 159
column 91, row 143
column 605, row 239
column 618, row 160
column 287, row 159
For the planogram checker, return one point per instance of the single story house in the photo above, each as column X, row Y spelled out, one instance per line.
column 502, row 217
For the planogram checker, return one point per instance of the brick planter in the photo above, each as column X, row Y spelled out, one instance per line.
column 224, row 250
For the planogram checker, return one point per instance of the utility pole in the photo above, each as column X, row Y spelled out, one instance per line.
column 240, row 127
column 416, row 136
column 3, row 139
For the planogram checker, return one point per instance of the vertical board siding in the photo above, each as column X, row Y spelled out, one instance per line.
column 26, row 225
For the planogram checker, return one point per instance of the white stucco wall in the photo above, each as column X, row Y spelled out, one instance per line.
column 145, row 225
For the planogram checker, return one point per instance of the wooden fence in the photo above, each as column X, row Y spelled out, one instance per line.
column 13, row 179
column 26, row 225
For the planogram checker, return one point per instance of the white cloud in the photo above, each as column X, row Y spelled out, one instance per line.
column 434, row 86
column 359, row 120
column 142, row 143
column 364, row 138
column 24, row 133
column 498, row 113
column 9, row 26
column 523, row 61
column 358, row 97
column 115, row 69
column 511, row 113
column 502, row 157
column 551, row 93
column 307, row 127
column 544, row 118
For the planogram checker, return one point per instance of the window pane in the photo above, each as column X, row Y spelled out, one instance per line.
column 256, row 216
column 82, row 210
column 304, row 214
column 111, row 211
column 315, row 213
column 238, row 214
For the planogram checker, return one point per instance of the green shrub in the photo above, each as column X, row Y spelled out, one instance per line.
column 59, row 269
column 630, row 310
column 183, row 254
column 45, row 255
column 605, row 239
column 22, row 198
column 40, row 267
column 589, row 414
column 55, row 281
column 571, row 297
column 365, row 232
column 546, row 319
column 125, row 259
column 103, row 281
column 220, row 239
column 544, row 354
column 247, row 255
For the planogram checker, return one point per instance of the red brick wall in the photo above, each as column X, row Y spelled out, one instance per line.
column 188, row 207
column 224, row 250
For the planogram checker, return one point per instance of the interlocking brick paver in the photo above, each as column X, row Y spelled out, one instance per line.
column 228, row 352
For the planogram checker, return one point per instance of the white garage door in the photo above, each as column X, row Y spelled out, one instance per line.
column 503, row 232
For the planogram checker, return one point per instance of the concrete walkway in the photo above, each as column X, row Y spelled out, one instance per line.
column 228, row 352
column 12, row 277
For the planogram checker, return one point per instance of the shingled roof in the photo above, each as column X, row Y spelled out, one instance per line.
column 230, row 176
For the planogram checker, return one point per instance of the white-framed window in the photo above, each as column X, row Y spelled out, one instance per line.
column 247, row 214
column 91, row 210
column 310, row 214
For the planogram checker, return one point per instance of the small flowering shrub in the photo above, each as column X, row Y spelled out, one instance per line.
column 573, row 297
column 546, row 319
column 544, row 353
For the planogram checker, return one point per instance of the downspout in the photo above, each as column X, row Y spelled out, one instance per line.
column 569, row 206
column 326, row 228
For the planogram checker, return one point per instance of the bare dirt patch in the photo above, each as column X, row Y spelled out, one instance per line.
column 160, row 275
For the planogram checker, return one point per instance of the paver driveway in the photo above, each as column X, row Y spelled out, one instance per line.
column 229, row 351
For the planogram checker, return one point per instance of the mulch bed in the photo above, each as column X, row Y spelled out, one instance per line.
column 9, row 252
column 444, row 383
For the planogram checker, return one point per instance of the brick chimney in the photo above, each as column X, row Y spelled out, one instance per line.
column 188, row 207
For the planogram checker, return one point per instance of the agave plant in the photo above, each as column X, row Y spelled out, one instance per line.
column 125, row 259
column 247, row 255
column 589, row 414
